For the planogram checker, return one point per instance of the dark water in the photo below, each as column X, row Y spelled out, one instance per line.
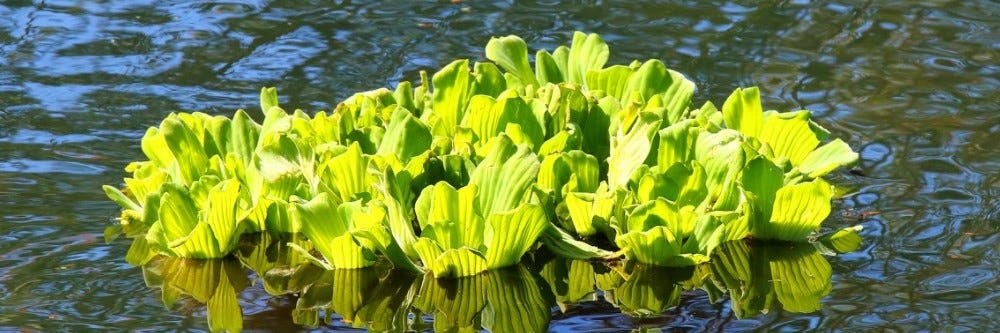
column 914, row 86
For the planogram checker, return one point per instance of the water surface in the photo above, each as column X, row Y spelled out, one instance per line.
column 914, row 86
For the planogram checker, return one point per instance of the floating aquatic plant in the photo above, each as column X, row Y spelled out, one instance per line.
column 483, row 162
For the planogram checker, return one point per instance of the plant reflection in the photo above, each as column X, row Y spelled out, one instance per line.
column 757, row 277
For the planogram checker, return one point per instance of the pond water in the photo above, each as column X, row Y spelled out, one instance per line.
column 914, row 86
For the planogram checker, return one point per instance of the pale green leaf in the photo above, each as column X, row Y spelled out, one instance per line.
column 268, row 98
column 564, row 245
column 588, row 52
column 826, row 158
column 788, row 135
column 742, row 111
column 454, row 263
column 509, row 235
column 452, row 85
column 763, row 179
column 405, row 137
column 629, row 150
column 546, row 68
column 222, row 208
column 511, row 54
column 798, row 211
column 504, row 178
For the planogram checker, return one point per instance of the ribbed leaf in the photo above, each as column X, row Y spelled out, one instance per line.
column 200, row 244
column 590, row 212
column 649, row 80
column 458, row 263
column 546, row 68
column 722, row 156
column 405, row 137
column 789, row 135
column 613, row 81
column 348, row 174
column 659, row 212
column 826, row 158
column 511, row 54
column 629, row 150
column 186, row 148
column 451, row 92
column 504, row 177
column 762, row 179
column 742, row 111
column 844, row 240
column 677, row 98
column 656, row 246
column 564, row 245
column 348, row 253
column 677, row 143
column 222, row 210
column 268, row 98
column 178, row 215
column 510, row 235
column 798, row 211
column 588, row 52
column 118, row 197
column 154, row 146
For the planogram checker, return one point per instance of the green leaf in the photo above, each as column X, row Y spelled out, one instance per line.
column 186, row 148
column 244, row 135
column 742, row 111
column 629, row 150
column 347, row 173
column 118, row 197
column 177, row 214
column 348, row 253
column 452, row 87
column 511, row 53
column 763, row 179
column 515, row 302
column 199, row 244
column 449, row 216
column 677, row 97
column 844, row 240
column 588, row 52
column 590, row 212
column 659, row 212
column 268, row 98
column 677, row 143
column 564, row 245
column 801, row 277
column 798, row 211
column 656, row 246
column 509, row 235
column 405, row 137
column 488, row 79
column 546, row 68
column 453, row 263
column 650, row 79
column 826, row 158
column 222, row 208
column 613, row 81
column 789, row 135
column 504, row 178
column 488, row 118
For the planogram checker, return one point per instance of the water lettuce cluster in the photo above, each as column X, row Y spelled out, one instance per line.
column 477, row 165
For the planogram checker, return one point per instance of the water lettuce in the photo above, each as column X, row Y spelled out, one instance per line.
column 482, row 162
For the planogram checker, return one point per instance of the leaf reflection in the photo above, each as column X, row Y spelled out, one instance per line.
column 758, row 278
